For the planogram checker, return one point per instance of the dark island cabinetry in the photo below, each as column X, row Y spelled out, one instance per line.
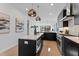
column 29, row 47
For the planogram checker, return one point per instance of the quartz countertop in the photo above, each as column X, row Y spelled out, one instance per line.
column 67, row 34
column 73, row 38
column 31, row 36
column 48, row 32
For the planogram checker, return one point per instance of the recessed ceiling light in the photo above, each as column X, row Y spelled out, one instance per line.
column 51, row 4
column 26, row 9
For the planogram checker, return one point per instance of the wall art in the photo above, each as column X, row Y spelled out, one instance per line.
column 19, row 25
column 4, row 23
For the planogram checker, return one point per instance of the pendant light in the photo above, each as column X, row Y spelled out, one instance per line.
column 38, row 17
column 32, row 12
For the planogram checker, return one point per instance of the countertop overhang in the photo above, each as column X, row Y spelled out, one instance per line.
column 31, row 36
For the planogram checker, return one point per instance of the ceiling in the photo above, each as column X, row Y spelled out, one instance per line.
column 46, row 11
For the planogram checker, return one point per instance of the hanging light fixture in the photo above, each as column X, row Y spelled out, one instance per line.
column 38, row 17
column 32, row 12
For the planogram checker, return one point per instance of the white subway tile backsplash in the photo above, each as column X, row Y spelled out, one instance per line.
column 76, row 29
column 73, row 29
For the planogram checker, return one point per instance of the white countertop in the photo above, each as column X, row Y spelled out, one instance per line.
column 51, row 32
column 73, row 38
column 48, row 32
column 31, row 36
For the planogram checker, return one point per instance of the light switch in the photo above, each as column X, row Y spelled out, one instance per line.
column 25, row 42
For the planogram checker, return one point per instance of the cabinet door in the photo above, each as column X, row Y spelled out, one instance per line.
column 50, row 36
column 27, row 47
column 70, row 48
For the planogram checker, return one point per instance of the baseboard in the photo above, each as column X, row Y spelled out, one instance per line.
column 8, row 48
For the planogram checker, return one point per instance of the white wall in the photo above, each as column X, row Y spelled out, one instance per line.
column 9, row 40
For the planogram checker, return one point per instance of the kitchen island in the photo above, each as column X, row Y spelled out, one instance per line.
column 30, row 45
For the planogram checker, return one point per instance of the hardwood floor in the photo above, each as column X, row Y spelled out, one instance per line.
column 11, row 52
column 53, row 49
column 52, row 45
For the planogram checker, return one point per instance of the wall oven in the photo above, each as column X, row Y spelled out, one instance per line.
column 59, row 42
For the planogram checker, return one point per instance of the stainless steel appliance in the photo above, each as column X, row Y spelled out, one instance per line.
column 59, row 41
column 38, row 45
